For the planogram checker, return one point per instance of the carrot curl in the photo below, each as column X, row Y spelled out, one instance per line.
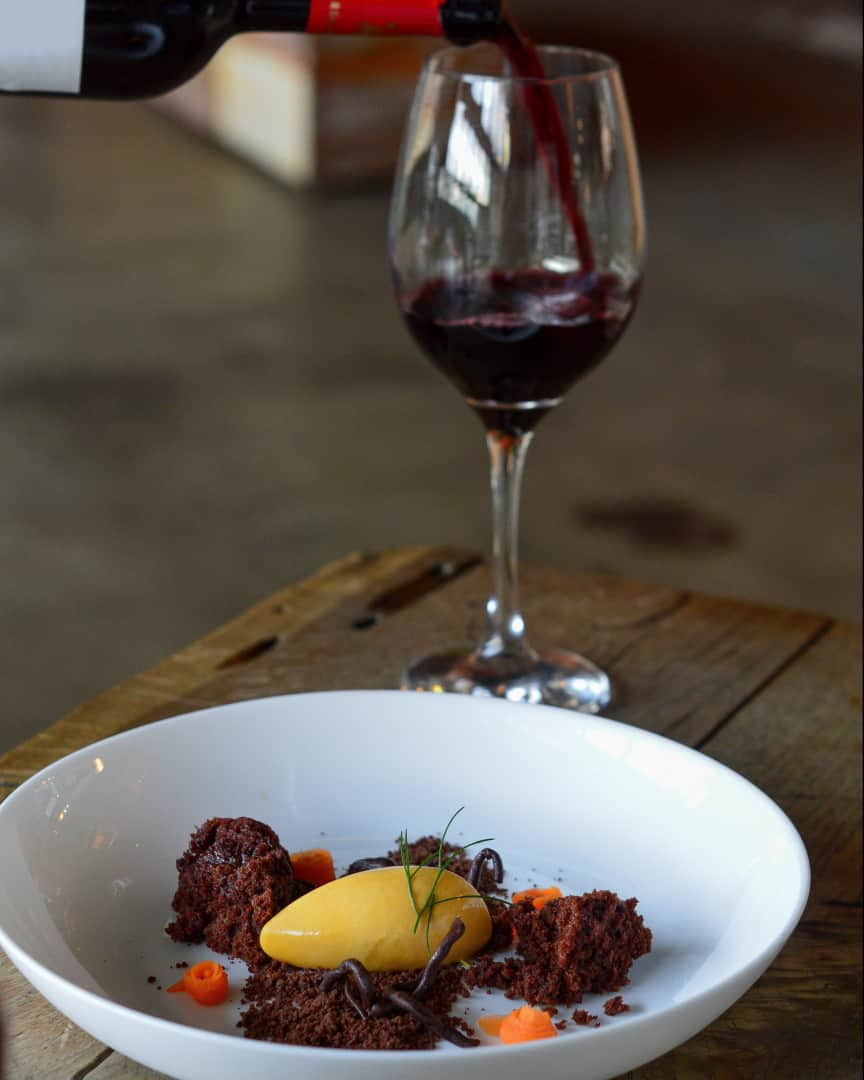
column 206, row 982
column 526, row 1025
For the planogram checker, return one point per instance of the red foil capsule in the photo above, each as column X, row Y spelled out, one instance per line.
column 421, row 17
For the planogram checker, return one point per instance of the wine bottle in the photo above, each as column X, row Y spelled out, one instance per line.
column 142, row 48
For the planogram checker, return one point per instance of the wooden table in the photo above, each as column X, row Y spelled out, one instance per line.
column 774, row 694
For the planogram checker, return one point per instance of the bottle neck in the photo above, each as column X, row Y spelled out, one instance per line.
column 462, row 21
column 272, row 15
column 465, row 22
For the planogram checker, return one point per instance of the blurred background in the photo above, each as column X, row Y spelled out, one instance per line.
column 206, row 392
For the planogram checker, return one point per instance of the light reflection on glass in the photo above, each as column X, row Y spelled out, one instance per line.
column 467, row 182
column 98, row 764
column 607, row 146
column 494, row 122
column 449, row 191
column 425, row 134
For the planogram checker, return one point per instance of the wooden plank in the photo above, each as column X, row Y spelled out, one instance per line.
column 800, row 1022
column 681, row 664
column 800, row 741
column 117, row 1067
column 170, row 687
column 40, row 1043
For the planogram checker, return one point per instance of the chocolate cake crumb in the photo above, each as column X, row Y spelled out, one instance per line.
column 427, row 846
column 494, row 974
column 151, row 979
column 561, row 1025
column 572, row 946
column 287, row 1005
column 502, row 929
column 584, row 1018
column 181, row 964
column 234, row 877
column 615, row 1005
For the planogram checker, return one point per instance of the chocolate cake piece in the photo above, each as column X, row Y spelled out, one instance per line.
column 287, row 1005
column 234, row 877
column 572, row 946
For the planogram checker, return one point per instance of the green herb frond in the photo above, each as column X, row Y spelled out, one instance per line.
column 441, row 866
column 405, row 856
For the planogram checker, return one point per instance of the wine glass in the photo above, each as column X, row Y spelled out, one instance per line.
column 516, row 241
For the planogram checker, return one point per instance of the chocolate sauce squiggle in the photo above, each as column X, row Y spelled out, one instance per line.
column 487, row 855
column 360, row 974
column 436, row 960
column 359, row 865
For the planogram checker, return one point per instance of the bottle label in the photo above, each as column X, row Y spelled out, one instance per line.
column 41, row 45
column 374, row 17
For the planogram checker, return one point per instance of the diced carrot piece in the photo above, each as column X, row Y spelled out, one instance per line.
column 539, row 897
column 314, row 866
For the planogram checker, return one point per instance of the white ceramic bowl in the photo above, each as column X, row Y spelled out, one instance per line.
column 88, row 848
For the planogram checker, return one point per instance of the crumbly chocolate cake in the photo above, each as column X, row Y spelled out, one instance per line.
column 287, row 1005
column 234, row 877
column 615, row 1005
column 572, row 946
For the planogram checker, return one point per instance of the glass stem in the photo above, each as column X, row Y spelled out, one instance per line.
column 505, row 630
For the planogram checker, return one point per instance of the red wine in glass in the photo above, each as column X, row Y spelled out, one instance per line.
column 514, row 342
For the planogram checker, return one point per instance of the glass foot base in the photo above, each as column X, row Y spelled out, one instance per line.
column 559, row 678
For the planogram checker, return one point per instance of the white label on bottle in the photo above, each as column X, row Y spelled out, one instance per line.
column 41, row 45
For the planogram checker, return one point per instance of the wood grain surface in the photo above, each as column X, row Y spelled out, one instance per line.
column 774, row 694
